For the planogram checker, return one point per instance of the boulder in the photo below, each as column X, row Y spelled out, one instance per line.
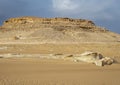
column 95, row 58
column 104, row 61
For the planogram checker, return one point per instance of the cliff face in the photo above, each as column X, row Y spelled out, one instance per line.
column 45, row 21
column 57, row 23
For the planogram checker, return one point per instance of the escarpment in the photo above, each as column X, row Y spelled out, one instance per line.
column 56, row 23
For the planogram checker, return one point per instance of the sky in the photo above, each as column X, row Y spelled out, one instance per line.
column 104, row 13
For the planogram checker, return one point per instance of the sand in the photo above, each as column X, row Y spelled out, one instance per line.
column 109, row 49
column 36, row 71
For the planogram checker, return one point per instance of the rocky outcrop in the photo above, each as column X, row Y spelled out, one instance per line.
column 55, row 23
column 67, row 21
column 93, row 57
column 104, row 61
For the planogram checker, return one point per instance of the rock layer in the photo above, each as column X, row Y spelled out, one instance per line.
column 56, row 23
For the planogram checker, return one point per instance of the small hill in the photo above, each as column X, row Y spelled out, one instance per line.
column 57, row 30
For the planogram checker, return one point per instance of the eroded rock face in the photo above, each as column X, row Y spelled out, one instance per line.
column 94, row 57
column 89, row 57
column 104, row 61
column 28, row 20
column 55, row 23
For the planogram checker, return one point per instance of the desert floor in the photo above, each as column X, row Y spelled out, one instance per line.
column 37, row 71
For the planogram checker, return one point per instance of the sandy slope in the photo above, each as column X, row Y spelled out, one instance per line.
column 107, row 49
column 29, row 71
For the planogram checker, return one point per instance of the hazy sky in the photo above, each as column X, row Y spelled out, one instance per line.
column 103, row 12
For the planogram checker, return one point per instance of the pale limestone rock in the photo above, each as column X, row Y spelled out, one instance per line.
column 99, row 63
column 108, row 61
column 104, row 61
column 94, row 57
column 18, row 37
column 89, row 57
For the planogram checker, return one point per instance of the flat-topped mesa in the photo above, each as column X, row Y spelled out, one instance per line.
column 26, row 20
column 35, row 22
